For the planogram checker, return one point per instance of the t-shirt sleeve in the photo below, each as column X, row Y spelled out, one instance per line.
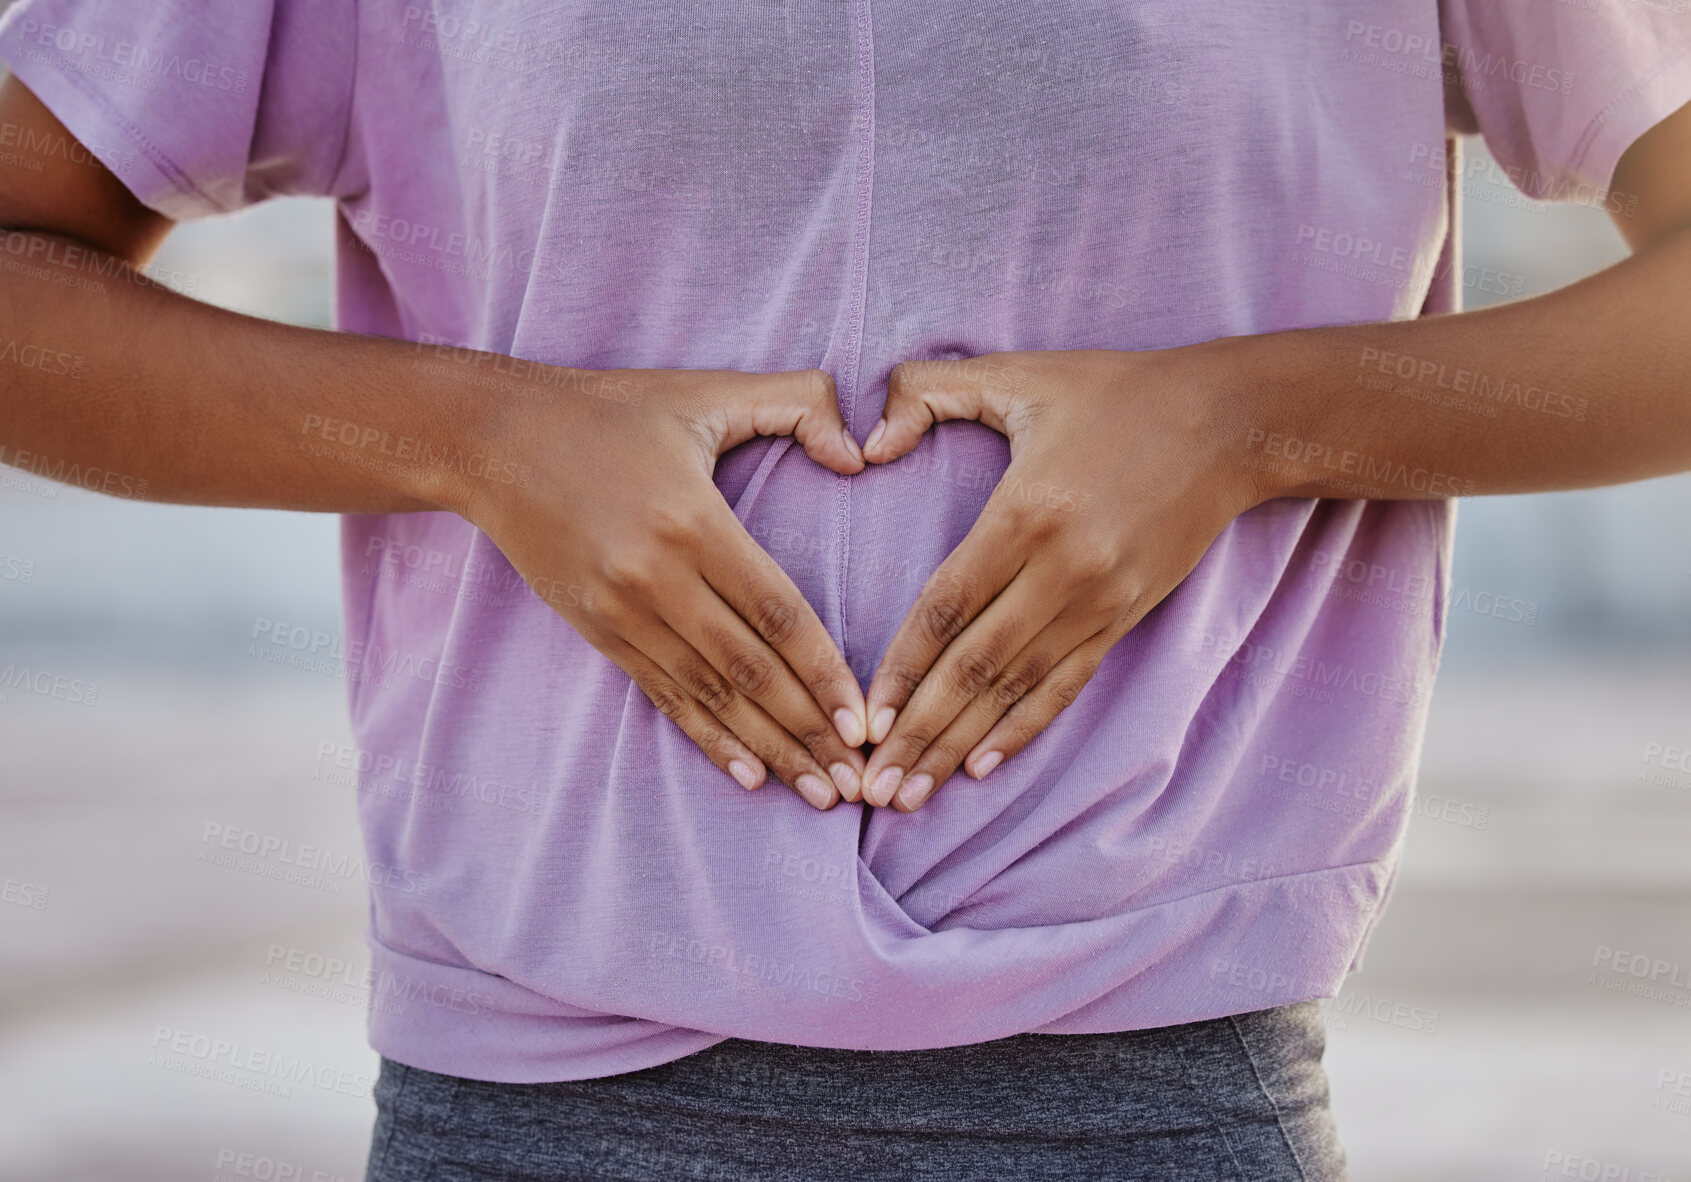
column 198, row 108
column 1560, row 89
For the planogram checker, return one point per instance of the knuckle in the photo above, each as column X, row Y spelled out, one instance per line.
column 918, row 734
column 902, row 680
column 817, row 738
column 828, row 680
column 898, row 375
column 775, row 620
column 707, row 685
column 1127, row 605
column 821, row 384
column 675, row 523
column 1091, row 558
column 972, row 672
column 752, row 673
column 943, row 758
column 629, row 570
column 942, row 619
column 712, row 741
column 1026, row 522
column 1014, row 685
column 1141, row 601
column 669, row 700
column 1065, row 690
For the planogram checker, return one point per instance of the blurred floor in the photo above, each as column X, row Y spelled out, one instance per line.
column 1479, row 1043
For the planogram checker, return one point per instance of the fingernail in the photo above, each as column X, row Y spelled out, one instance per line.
column 875, row 435
column 851, row 444
column 882, row 724
column 815, row 789
column 885, row 785
column 742, row 771
column 915, row 790
column 850, row 726
column 987, row 762
column 846, row 780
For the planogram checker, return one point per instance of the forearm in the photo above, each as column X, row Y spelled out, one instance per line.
column 125, row 386
column 1585, row 386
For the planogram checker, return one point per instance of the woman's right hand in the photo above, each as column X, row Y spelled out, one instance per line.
column 618, row 526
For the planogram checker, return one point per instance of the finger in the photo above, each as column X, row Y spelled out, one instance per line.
column 755, row 586
column 707, row 732
column 967, row 667
column 933, row 753
column 922, row 393
column 756, row 670
column 792, row 764
column 802, row 403
column 1055, row 692
column 983, row 564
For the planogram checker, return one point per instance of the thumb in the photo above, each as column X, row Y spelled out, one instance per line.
column 802, row 403
column 922, row 393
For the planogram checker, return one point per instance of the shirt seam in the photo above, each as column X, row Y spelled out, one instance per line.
column 351, row 93
column 1602, row 119
column 1272, row 878
column 1273, row 1104
column 1241, row 884
column 860, row 282
column 1203, row 1095
column 166, row 167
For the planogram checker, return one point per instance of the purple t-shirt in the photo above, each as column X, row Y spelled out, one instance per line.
column 569, row 888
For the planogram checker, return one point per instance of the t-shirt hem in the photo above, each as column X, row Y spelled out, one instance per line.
column 464, row 1022
column 1627, row 117
column 144, row 170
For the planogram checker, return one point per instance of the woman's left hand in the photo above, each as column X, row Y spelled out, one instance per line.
column 1123, row 469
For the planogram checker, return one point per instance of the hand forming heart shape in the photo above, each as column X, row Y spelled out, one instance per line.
column 1132, row 484
column 622, row 531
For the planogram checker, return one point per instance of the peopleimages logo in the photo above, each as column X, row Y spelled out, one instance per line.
column 763, row 970
column 256, row 1166
column 1642, row 966
column 1561, row 1164
column 373, row 769
column 364, row 661
column 48, row 685
column 268, row 852
column 438, row 247
column 1290, row 663
column 333, row 979
column 249, row 1066
column 1380, row 473
column 64, row 472
column 96, row 48
column 1379, row 44
column 1498, row 389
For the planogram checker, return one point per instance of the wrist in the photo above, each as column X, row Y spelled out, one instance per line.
column 464, row 459
column 1270, row 399
column 1234, row 390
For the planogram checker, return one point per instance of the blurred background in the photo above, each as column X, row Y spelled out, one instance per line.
column 1501, row 1028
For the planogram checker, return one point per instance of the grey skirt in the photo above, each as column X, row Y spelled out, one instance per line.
column 1239, row 1099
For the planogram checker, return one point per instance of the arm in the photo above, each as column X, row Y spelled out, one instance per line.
column 1153, row 453
column 605, row 505
column 1602, row 366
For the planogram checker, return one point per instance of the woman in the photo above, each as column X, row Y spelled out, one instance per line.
column 1046, row 296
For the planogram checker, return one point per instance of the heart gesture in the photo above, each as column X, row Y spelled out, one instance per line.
column 1117, row 484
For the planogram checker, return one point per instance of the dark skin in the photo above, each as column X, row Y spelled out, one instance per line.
column 629, row 541
column 1015, row 622
column 615, row 522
